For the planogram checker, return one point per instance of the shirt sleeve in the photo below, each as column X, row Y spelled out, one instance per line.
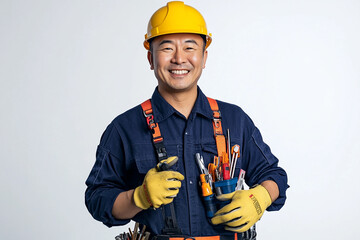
column 262, row 165
column 106, row 179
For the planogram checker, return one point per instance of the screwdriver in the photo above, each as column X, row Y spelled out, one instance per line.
column 225, row 167
column 212, row 171
column 206, row 187
column 228, row 146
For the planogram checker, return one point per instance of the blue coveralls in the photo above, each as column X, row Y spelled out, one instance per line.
column 126, row 153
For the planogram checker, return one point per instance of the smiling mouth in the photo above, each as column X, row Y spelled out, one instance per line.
column 179, row 72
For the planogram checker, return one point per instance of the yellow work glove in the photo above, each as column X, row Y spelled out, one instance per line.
column 244, row 210
column 159, row 187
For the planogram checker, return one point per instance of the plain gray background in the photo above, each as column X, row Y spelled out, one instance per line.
column 67, row 68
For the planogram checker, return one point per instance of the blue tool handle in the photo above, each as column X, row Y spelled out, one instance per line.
column 210, row 205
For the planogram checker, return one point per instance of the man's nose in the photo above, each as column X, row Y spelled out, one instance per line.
column 178, row 57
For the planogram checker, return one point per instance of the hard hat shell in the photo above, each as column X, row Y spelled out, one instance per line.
column 176, row 17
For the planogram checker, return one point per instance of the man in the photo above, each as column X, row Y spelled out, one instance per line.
column 126, row 182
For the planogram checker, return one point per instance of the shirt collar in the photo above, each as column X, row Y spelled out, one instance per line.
column 202, row 105
column 162, row 109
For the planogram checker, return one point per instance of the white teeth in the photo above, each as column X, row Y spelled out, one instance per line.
column 179, row 71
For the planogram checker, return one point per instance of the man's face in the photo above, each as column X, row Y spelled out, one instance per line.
column 177, row 61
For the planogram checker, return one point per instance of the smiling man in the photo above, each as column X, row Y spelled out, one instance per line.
column 178, row 61
column 151, row 176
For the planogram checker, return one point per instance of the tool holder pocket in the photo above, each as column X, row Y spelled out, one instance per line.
column 224, row 187
column 212, row 205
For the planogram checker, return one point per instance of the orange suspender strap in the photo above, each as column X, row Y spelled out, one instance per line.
column 171, row 226
column 218, row 133
column 155, row 130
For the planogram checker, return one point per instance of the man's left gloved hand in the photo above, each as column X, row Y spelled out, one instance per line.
column 244, row 210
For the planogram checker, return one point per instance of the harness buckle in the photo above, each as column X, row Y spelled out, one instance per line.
column 217, row 123
column 160, row 149
column 217, row 114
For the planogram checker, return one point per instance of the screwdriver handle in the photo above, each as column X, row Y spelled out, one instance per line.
column 210, row 205
column 212, row 169
column 226, row 171
column 205, row 186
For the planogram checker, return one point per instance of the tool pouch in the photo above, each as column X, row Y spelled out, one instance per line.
column 224, row 187
column 212, row 205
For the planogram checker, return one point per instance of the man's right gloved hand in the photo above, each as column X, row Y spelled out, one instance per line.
column 159, row 187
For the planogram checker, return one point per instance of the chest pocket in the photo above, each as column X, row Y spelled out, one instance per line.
column 145, row 157
column 208, row 151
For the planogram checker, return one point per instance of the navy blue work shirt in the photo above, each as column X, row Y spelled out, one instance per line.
column 126, row 153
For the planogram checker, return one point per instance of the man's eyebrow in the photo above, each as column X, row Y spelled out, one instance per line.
column 165, row 41
column 191, row 41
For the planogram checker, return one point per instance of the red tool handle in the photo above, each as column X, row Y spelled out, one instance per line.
column 226, row 171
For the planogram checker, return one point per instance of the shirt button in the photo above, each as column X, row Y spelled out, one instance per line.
column 190, row 182
column 186, row 133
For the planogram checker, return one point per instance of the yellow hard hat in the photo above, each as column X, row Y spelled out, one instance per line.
column 176, row 17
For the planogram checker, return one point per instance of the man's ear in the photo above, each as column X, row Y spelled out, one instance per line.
column 150, row 59
column 205, row 58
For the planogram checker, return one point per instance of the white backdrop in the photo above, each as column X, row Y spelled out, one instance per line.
column 67, row 68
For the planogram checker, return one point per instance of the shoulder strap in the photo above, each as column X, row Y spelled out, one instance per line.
column 218, row 132
column 155, row 130
column 171, row 227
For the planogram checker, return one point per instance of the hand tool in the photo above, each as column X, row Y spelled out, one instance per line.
column 136, row 234
column 206, row 187
column 228, row 145
column 203, row 169
column 135, row 231
column 217, row 168
column 170, row 221
column 240, row 182
column 225, row 167
column 216, row 161
column 146, row 236
column 130, row 232
column 200, row 163
column 235, row 151
column 142, row 232
column 166, row 164
column 212, row 171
